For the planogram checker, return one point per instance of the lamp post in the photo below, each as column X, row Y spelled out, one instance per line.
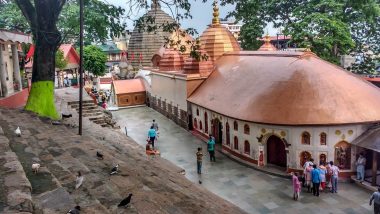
column 81, row 6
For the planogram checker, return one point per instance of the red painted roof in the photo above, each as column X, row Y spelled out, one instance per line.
column 105, row 80
column 128, row 86
column 280, row 37
column 69, row 53
column 372, row 79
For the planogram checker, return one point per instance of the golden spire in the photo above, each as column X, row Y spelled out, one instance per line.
column 215, row 19
column 267, row 39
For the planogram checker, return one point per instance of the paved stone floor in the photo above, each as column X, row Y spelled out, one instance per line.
column 253, row 191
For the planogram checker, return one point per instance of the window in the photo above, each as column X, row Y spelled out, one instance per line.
column 342, row 156
column 247, row 147
column 227, row 133
column 200, row 125
column 323, row 138
column 236, row 143
column 322, row 159
column 3, row 47
column 304, row 157
column 246, row 129
column 235, row 126
column 197, row 112
column 305, row 138
column 206, row 123
column 195, row 123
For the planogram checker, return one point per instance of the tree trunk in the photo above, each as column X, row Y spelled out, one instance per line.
column 42, row 17
column 41, row 97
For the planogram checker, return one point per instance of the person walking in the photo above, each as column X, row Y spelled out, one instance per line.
column 155, row 125
column 296, row 186
column 308, row 178
column 199, row 160
column 322, row 171
column 316, row 178
column 334, row 177
column 360, row 168
column 211, row 148
column 152, row 135
column 376, row 198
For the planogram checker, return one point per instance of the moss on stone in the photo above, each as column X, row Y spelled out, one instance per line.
column 41, row 99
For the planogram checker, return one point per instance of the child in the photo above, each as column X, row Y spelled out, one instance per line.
column 296, row 186
column 199, row 160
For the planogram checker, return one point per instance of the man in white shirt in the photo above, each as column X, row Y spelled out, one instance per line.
column 334, row 177
column 360, row 167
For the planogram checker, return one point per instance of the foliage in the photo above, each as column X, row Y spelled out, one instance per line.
column 102, row 20
column 60, row 61
column 94, row 60
column 331, row 27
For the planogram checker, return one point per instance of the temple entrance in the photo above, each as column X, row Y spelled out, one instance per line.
column 217, row 130
column 276, row 151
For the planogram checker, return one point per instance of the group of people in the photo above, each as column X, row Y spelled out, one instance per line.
column 316, row 178
column 211, row 151
column 152, row 134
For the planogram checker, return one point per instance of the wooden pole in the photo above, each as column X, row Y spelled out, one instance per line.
column 374, row 168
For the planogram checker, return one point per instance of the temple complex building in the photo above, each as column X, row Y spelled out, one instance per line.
column 10, row 77
column 268, row 108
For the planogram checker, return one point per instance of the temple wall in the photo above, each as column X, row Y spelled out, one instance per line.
column 336, row 137
column 8, row 64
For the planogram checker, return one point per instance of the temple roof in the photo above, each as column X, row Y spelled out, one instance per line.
column 216, row 39
column 147, row 43
column 287, row 88
column 128, row 86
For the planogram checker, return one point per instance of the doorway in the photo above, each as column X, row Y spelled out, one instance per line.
column 276, row 151
column 217, row 130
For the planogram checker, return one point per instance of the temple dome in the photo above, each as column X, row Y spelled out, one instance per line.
column 287, row 88
column 216, row 39
column 267, row 46
column 172, row 60
column 194, row 66
column 147, row 43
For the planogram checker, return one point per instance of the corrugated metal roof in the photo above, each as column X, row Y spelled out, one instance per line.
column 128, row 86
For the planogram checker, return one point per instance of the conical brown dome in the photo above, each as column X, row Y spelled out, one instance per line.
column 216, row 39
column 172, row 60
column 148, row 43
column 267, row 46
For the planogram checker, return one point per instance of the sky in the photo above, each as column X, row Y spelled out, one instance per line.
column 201, row 12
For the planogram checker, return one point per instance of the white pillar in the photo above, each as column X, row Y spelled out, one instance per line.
column 3, row 75
column 16, row 67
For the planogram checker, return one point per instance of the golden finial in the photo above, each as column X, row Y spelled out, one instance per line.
column 308, row 48
column 267, row 38
column 215, row 19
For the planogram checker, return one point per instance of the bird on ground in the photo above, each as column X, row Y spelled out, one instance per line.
column 76, row 210
column 36, row 167
column 114, row 169
column 18, row 131
column 125, row 201
column 79, row 180
column 200, row 182
column 99, row 155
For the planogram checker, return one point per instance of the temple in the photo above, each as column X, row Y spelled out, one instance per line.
column 266, row 107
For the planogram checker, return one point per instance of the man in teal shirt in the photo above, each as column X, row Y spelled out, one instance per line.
column 211, row 148
column 316, row 178
column 152, row 135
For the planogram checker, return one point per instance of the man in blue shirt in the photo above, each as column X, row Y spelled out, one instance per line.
column 316, row 179
column 211, row 148
column 152, row 135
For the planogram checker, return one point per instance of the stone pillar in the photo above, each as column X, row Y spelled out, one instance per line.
column 374, row 168
column 16, row 67
column 3, row 71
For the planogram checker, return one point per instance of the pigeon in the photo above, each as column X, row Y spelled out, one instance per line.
column 125, row 201
column 36, row 167
column 76, row 210
column 200, row 182
column 18, row 131
column 79, row 180
column 114, row 169
column 99, row 155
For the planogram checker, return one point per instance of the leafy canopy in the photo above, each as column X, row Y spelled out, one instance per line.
column 94, row 60
column 60, row 61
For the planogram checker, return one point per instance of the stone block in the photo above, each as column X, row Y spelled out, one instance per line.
column 20, row 201
column 13, row 166
column 57, row 199
column 17, row 181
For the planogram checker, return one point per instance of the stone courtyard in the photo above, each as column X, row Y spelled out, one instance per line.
column 157, row 185
column 247, row 188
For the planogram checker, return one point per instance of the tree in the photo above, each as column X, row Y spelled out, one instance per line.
column 94, row 60
column 329, row 27
column 60, row 61
column 43, row 17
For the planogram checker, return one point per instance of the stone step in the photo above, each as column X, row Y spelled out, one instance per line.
column 85, row 105
column 77, row 102
column 94, row 107
column 92, row 114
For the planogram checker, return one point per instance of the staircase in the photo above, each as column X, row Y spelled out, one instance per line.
column 93, row 112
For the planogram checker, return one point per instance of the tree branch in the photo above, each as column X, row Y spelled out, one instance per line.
column 28, row 11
